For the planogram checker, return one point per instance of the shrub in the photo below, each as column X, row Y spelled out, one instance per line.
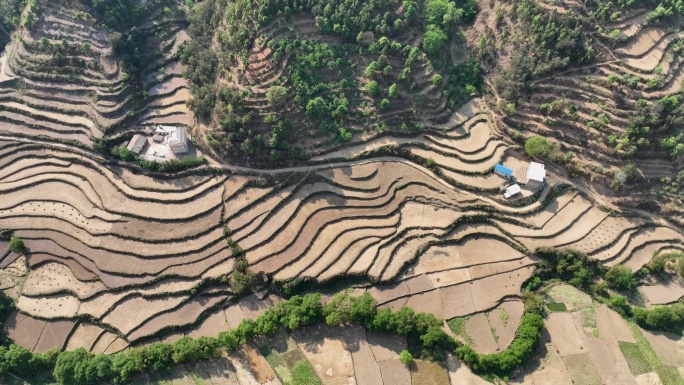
column 393, row 93
column 538, row 146
column 16, row 245
column 662, row 318
column 344, row 135
column 372, row 87
column 621, row 177
column 620, row 277
column 508, row 108
column 276, row 95
column 437, row 80
column 405, row 357
column 620, row 305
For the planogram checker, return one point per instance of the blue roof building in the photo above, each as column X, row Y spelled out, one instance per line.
column 503, row 171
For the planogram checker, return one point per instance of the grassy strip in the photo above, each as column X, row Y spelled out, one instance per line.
column 503, row 314
column 278, row 363
column 457, row 326
column 303, row 374
column 636, row 360
column 557, row 306
column 666, row 373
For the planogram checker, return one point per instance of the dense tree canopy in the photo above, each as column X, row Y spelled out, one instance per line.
column 620, row 277
column 538, row 146
column 276, row 95
column 434, row 39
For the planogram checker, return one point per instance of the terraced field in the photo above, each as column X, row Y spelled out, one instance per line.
column 132, row 253
column 118, row 256
column 591, row 344
column 60, row 79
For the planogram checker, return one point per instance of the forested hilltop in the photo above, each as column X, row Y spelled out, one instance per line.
column 287, row 79
column 287, row 82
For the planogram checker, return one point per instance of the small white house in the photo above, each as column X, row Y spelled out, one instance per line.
column 177, row 137
column 531, row 176
column 511, row 191
column 536, row 172
column 179, row 141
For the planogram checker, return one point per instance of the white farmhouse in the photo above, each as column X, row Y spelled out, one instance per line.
column 177, row 137
column 531, row 176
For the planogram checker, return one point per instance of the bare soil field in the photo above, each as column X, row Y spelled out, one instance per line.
column 663, row 292
column 457, row 272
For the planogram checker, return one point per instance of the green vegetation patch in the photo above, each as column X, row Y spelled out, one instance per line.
column 197, row 379
column 503, row 314
column 588, row 317
column 303, row 374
column 569, row 295
column 429, row 373
column 638, row 364
column 556, row 306
column 278, row 363
column 458, row 327
column 367, row 45
column 666, row 374
column 582, row 370
column 293, row 356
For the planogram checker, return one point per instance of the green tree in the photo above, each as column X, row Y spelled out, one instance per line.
column 125, row 154
column 538, row 146
column 158, row 356
column 372, row 87
column 276, row 95
column 384, row 104
column 370, row 70
column 362, row 309
column 128, row 364
column 405, row 357
column 434, row 40
column 404, row 320
column 72, row 367
column 317, row 108
column 620, row 277
column 440, row 12
column 434, row 337
column 383, row 321
column 393, row 93
column 16, row 245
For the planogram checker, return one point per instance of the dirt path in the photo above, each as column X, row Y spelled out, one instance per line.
column 256, row 171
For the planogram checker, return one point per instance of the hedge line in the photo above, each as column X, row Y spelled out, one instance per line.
column 80, row 367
